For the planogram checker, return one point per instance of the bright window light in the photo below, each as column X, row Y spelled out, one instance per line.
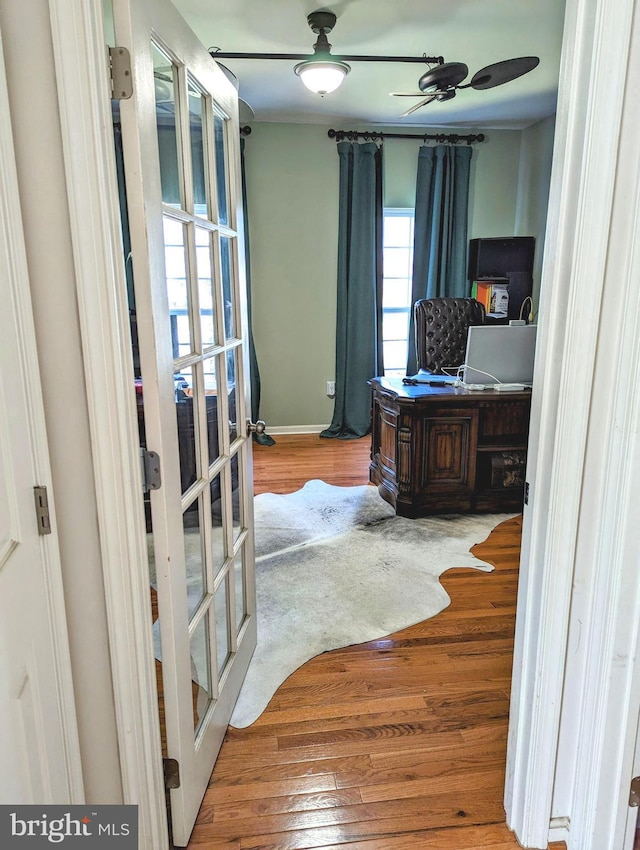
column 396, row 292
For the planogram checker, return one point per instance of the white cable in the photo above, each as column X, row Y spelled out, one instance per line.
column 482, row 372
column 530, row 300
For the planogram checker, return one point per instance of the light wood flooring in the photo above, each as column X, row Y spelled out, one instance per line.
column 397, row 744
column 298, row 458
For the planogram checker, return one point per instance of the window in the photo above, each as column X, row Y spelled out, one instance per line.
column 397, row 267
column 175, row 258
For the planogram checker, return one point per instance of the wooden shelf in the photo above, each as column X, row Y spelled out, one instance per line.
column 503, row 447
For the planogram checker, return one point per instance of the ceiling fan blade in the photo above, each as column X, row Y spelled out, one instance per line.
column 406, row 93
column 503, row 72
column 417, row 106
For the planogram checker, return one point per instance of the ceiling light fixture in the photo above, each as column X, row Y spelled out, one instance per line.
column 323, row 73
column 314, row 70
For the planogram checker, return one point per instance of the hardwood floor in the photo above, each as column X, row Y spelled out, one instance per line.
column 396, row 744
column 298, row 458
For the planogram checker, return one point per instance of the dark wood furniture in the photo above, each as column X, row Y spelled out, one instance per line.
column 444, row 450
column 509, row 257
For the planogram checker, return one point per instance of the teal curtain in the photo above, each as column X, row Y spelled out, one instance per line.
column 441, row 225
column 263, row 439
column 359, row 288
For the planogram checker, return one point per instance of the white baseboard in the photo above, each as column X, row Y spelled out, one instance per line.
column 296, row 429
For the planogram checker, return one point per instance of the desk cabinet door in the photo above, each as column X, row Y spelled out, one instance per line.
column 449, row 450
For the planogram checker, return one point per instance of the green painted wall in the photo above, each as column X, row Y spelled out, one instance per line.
column 493, row 191
column 292, row 182
column 533, row 190
column 292, row 199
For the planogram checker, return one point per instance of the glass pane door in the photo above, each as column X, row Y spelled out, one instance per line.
column 181, row 140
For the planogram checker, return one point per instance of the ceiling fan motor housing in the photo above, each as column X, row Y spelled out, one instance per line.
column 321, row 21
column 443, row 76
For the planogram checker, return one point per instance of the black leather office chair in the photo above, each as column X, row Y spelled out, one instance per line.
column 442, row 325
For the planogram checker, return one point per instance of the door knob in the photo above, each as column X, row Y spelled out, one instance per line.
column 256, row 427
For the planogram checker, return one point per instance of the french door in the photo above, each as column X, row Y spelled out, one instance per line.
column 182, row 175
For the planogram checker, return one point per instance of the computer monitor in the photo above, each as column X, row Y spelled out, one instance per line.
column 499, row 354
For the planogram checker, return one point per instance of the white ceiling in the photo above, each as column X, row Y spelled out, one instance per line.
column 477, row 32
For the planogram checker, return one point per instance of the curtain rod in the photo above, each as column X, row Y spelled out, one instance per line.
column 373, row 136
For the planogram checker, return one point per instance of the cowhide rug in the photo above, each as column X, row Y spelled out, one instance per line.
column 336, row 567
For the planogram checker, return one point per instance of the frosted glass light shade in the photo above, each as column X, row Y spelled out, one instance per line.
column 322, row 77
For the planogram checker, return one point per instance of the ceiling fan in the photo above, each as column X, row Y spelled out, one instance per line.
column 322, row 72
column 442, row 82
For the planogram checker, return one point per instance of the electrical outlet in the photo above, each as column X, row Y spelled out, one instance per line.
column 331, row 388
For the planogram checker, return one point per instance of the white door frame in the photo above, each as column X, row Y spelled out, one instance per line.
column 16, row 287
column 577, row 527
column 589, row 116
column 84, row 99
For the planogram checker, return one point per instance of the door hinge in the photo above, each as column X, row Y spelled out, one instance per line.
column 121, row 79
column 150, row 463
column 634, row 795
column 526, row 492
column 171, row 773
column 42, row 510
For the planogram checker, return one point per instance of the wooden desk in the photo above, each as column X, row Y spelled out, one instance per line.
column 445, row 450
